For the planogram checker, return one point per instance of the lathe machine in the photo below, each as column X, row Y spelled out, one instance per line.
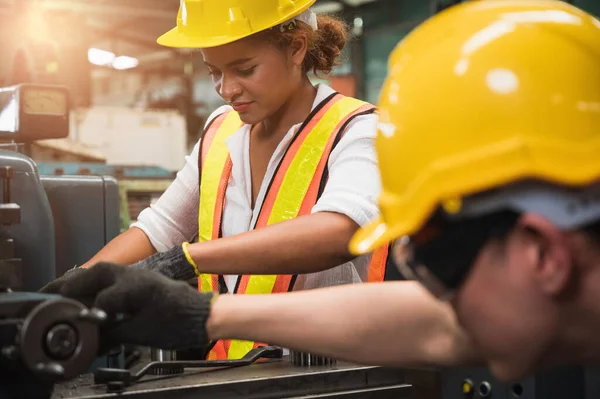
column 48, row 344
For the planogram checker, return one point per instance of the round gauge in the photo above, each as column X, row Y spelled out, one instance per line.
column 44, row 101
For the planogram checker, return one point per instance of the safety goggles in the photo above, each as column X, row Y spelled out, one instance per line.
column 441, row 255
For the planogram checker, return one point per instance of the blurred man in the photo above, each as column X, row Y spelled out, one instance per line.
column 489, row 143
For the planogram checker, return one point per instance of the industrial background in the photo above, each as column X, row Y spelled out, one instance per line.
column 138, row 108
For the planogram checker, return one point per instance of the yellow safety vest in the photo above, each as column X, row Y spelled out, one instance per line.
column 293, row 192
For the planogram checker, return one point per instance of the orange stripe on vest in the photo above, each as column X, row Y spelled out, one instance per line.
column 283, row 283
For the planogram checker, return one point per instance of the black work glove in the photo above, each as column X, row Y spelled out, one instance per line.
column 54, row 286
column 156, row 311
column 172, row 263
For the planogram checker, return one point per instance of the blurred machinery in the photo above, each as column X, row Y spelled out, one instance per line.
column 138, row 186
column 44, row 339
column 64, row 219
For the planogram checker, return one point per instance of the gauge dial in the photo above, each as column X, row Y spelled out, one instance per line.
column 38, row 101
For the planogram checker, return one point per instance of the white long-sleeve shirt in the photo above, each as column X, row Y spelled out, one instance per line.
column 352, row 189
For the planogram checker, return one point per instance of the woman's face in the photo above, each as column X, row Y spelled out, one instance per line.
column 255, row 77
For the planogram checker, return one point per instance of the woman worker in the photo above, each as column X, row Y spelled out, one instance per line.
column 285, row 172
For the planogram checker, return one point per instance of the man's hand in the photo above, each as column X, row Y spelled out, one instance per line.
column 156, row 311
column 174, row 263
column 54, row 286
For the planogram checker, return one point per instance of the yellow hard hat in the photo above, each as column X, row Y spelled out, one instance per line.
column 485, row 94
column 211, row 23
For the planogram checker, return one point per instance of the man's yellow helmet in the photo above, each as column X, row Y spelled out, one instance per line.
column 211, row 23
column 485, row 94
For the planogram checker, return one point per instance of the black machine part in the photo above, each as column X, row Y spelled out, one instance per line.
column 32, row 242
column 479, row 383
column 118, row 379
column 11, row 269
column 304, row 359
column 51, row 337
column 85, row 210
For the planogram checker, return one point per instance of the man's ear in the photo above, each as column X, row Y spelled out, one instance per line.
column 547, row 248
column 298, row 49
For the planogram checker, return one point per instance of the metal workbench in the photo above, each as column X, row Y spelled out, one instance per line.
column 273, row 379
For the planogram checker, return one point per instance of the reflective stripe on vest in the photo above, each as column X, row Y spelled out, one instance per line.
column 216, row 169
column 293, row 192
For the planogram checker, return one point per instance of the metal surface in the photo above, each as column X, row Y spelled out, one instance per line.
column 303, row 359
column 276, row 379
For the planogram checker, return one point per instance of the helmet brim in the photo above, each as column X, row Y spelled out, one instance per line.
column 176, row 39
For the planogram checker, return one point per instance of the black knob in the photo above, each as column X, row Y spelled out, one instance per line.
column 485, row 389
column 61, row 341
column 467, row 388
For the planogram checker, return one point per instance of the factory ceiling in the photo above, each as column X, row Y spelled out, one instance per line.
column 131, row 27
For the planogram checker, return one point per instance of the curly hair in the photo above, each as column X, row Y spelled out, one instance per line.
column 325, row 44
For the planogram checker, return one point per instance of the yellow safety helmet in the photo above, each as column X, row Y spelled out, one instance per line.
column 211, row 23
column 483, row 95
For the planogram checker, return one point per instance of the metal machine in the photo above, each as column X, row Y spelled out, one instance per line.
column 63, row 220
column 44, row 339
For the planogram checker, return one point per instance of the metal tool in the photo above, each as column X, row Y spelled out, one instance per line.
column 303, row 359
column 164, row 356
column 271, row 379
column 117, row 380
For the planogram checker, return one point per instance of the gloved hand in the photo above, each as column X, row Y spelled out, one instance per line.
column 54, row 286
column 174, row 263
column 157, row 312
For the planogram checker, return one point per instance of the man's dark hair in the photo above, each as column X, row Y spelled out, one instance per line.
column 593, row 230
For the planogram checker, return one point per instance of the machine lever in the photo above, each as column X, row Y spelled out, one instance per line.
column 6, row 173
column 119, row 379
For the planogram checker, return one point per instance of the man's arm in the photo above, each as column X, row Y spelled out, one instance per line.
column 398, row 324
